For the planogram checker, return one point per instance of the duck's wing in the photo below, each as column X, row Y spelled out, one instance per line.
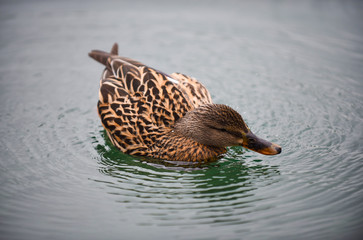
column 137, row 104
column 191, row 90
column 195, row 91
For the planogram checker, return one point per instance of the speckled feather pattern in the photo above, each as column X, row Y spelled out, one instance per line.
column 139, row 106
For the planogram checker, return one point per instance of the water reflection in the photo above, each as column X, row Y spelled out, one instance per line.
column 213, row 193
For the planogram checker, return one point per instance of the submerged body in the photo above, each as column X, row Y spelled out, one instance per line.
column 148, row 113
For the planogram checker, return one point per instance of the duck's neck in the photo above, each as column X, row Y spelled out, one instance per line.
column 191, row 127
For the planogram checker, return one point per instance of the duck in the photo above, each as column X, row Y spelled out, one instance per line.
column 149, row 113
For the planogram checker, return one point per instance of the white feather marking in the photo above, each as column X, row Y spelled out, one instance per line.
column 172, row 80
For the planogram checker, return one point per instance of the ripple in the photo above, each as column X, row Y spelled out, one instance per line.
column 165, row 192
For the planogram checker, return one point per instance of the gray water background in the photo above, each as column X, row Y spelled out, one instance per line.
column 293, row 69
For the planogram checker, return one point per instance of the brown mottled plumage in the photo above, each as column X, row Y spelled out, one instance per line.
column 148, row 113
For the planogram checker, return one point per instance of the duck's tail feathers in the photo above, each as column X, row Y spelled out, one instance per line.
column 114, row 49
column 101, row 56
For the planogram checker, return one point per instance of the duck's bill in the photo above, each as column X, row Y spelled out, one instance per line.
column 262, row 146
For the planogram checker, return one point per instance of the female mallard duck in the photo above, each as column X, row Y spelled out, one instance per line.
column 149, row 113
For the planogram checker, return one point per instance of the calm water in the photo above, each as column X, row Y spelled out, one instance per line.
column 293, row 69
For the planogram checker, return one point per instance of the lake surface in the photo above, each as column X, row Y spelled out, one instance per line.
column 293, row 69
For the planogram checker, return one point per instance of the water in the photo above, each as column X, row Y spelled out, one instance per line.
column 293, row 69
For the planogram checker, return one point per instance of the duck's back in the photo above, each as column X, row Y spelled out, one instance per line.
column 139, row 105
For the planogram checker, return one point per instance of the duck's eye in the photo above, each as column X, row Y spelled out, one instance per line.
column 219, row 129
column 251, row 140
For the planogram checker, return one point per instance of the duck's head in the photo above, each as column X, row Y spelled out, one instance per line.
column 221, row 126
